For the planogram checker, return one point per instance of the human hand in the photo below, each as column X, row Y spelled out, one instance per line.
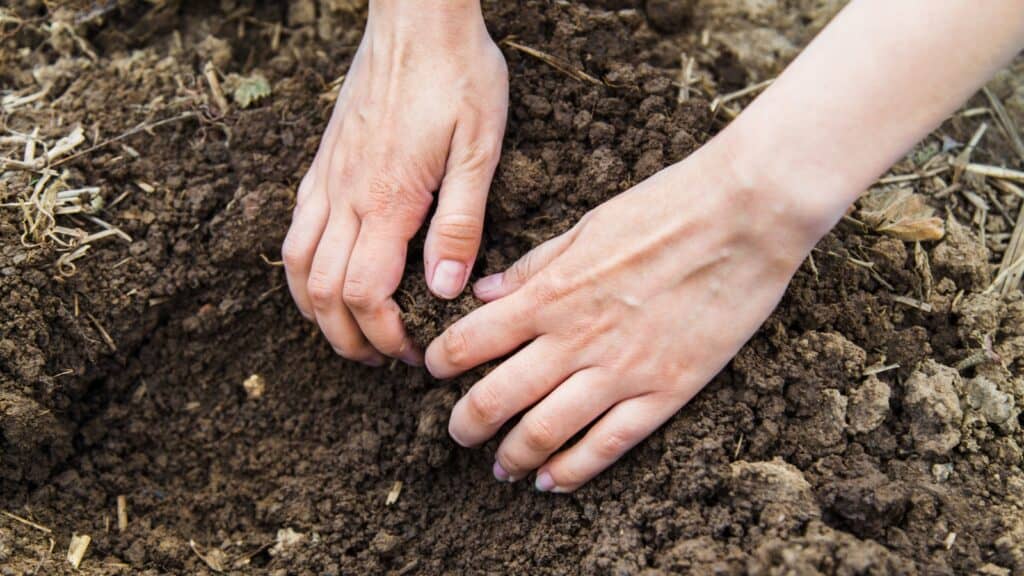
column 625, row 317
column 422, row 108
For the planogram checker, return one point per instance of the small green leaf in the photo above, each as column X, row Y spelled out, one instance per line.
column 251, row 89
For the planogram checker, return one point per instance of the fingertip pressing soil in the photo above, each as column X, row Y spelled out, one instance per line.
column 870, row 427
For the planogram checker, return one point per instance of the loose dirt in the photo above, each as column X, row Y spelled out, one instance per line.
column 871, row 427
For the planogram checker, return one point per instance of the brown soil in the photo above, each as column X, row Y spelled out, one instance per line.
column 797, row 459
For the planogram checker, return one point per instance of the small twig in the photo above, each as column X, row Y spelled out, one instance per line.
column 122, row 513
column 686, row 77
column 1005, row 122
column 26, row 522
column 972, row 112
column 878, row 369
column 555, row 63
column 996, row 172
column 964, row 158
column 900, row 178
column 103, row 333
column 394, row 493
column 140, row 128
column 726, row 98
column 218, row 93
column 912, row 302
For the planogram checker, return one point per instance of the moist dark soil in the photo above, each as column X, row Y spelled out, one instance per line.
column 870, row 427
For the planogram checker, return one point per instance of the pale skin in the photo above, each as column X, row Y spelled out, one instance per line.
column 624, row 318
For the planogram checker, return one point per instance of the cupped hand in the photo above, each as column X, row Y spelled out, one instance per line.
column 624, row 318
column 422, row 109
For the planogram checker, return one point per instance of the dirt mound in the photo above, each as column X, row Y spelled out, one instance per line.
column 872, row 425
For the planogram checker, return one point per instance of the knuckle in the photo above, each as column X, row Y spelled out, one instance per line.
column 351, row 344
column 458, row 229
column 520, row 270
column 323, row 289
column 513, row 461
column 484, row 405
column 550, row 289
column 481, row 154
column 568, row 474
column 387, row 197
column 380, row 195
column 357, row 293
column 292, row 254
column 612, row 444
column 350, row 351
column 456, row 345
column 539, row 435
column 305, row 187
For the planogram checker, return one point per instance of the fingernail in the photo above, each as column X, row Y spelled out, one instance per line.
column 544, row 482
column 449, row 277
column 500, row 473
column 412, row 358
column 375, row 362
column 487, row 286
column 410, row 354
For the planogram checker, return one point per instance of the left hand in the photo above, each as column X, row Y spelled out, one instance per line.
column 625, row 317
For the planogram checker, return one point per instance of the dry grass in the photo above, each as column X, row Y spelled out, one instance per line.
column 554, row 62
column 55, row 212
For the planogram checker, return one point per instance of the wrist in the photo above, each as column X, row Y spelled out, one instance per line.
column 431, row 21
column 810, row 190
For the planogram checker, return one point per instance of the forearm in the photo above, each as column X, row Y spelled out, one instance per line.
column 879, row 78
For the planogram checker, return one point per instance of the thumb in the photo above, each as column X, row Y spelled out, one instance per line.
column 455, row 230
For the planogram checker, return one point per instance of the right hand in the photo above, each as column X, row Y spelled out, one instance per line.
column 422, row 109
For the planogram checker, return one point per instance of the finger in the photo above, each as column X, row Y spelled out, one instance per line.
column 484, row 334
column 565, row 411
column 515, row 385
column 324, row 286
column 374, row 272
column 308, row 221
column 454, row 235
column 622, row 428
column 504, row 283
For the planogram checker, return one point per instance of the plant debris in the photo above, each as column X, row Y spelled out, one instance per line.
column 249, row 90
column 902, row 214
column 77, row 549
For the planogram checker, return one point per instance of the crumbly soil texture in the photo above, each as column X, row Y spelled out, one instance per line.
column 160, row 393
